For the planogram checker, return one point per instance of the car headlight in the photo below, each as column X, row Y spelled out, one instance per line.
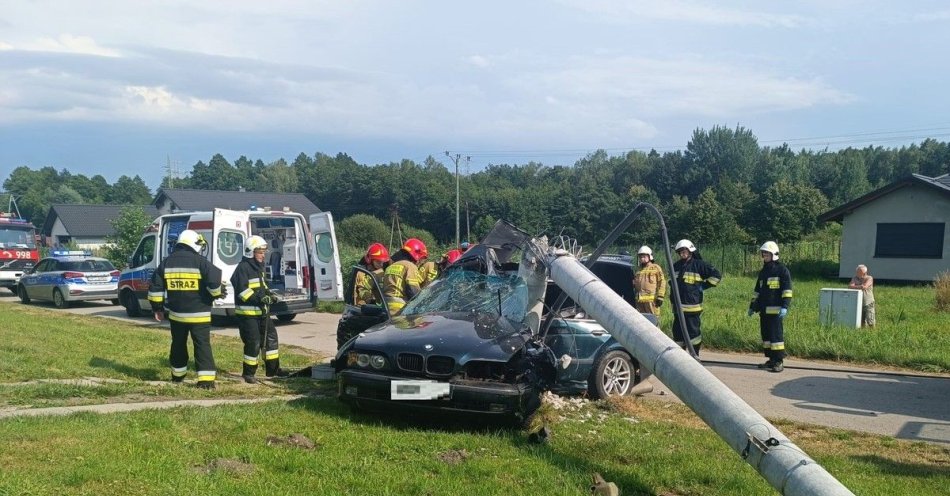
column 365, row 360
column 377, row 361
column 362, row 360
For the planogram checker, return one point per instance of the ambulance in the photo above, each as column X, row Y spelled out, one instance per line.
column 302, row 262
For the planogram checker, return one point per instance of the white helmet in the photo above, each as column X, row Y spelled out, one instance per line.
column 771, row 247
column 645, row 250
column 192, row 240
column 685, row 243
column 254, row 243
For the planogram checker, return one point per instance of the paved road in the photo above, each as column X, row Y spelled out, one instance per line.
column 904, row 405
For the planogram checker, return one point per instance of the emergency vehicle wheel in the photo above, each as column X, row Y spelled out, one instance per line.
column 286, row 317
column 21, row 292
column 131, row 304
column 59, row 300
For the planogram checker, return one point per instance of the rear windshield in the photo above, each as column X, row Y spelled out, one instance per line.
column 87, row 266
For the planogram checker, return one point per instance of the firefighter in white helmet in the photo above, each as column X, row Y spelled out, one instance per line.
column 191, row 283
column 649, row 283
column 252, row 304
column 693, row 276
column 771, row 299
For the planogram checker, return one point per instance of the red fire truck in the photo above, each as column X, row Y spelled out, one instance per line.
column 17, row 239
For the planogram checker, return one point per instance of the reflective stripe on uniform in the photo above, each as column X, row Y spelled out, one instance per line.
column 190, row 318
column 271, row 355
column 182, row 273
column 694, row 341
column 772, row 310
column 713, row 281
column 692, row 278
column 179, row 371
column 787, row 293
column 645, row 298
column 254, row 283
column 156, row 296
column 206, row 375
column 247, row 293
column 247, row 310
column 766, row 344
column 692, row 308
column 250, row 360
column 215, row 291
column 778, row 346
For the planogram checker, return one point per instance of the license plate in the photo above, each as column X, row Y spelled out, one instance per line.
column 419, row 390
column 98, row 279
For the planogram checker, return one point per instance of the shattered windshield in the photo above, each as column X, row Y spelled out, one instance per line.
column 468, row 291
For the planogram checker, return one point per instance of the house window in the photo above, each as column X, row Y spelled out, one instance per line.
column 909, row 240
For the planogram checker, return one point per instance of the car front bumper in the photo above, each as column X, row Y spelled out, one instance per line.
column 487, row 399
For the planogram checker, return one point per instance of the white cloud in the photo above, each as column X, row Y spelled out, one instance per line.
column 683, row 10
column 67, row 43
column 479, row 61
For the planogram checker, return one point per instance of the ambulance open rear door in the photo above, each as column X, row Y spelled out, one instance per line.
column 230, row 229
column 328, row 280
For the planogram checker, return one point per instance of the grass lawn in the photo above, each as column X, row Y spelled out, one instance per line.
column 39, row 345
column 910, row 332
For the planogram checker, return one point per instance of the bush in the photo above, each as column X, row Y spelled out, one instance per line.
column 362, row 230
column 942, row 291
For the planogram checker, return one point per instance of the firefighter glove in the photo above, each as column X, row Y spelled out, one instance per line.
column 751, row 312
column 658, row 301
column 782, row 313
column 268, row 300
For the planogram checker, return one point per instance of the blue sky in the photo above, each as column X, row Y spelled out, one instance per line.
column 118, row 87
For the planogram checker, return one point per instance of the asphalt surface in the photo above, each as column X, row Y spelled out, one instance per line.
column 906, row 405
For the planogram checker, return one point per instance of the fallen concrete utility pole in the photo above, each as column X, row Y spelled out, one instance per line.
column 785, row 466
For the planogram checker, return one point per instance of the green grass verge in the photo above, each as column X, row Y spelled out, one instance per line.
column 910, row 332
column 645, row 448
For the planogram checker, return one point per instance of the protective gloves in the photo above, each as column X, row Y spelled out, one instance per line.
column 658, row 301
column 782, row 313
column 269, row 299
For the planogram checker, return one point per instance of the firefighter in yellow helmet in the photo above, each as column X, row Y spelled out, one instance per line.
column 375, row 260
column 649, row 283
column 402, row 280
column 771, row 299
column 252, row 304
column 191, row 283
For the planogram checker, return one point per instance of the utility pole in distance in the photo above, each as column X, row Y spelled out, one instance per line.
column 456, row 159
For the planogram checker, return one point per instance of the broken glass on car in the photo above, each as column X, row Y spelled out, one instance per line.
column 503, row 294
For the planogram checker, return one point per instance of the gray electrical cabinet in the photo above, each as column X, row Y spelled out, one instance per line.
column 840, row 307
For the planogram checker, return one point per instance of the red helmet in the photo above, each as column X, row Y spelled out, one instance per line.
column 376, row 252
column 416, row 249
column 452, row 256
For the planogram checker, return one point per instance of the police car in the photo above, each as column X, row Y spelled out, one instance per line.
column 68, row 276
column 11, row 271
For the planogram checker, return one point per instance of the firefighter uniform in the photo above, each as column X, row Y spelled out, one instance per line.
column 253, row 315
column 401, row 282
column 428, row 272
column 693, row 276
column 651, row 288
column 363, row 287
column 771, row 299
column 191, row 283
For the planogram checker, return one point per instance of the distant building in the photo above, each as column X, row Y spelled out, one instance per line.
column 169, row 201
column 87, row 226
column 898, row 231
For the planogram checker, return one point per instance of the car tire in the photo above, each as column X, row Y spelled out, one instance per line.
column 59, row 300
column 115, row 301
column 131, row 304
column 614, row 374
column 21, row 292
column 286, row 317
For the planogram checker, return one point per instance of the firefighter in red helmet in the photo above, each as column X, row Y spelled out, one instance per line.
column 375, row 260
column 402, row 280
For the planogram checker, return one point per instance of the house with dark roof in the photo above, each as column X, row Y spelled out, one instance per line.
column 87, row 226
column 898, row 231
column 169, row 201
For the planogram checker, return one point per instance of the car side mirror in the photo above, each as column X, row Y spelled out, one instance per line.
column 129, row 261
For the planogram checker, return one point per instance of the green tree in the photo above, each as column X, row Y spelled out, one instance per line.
column 129, row 191
column 128, row 228
column 361, row 230
column 790, row 211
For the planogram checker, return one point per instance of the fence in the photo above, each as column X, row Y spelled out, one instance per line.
column 819, row 258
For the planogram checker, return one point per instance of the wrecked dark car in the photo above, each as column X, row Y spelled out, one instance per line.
column 482, row 339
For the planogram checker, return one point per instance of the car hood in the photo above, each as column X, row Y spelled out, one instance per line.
column 463, row 336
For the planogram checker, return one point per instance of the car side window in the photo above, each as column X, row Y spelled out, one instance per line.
column 145, row 252
column 42, row 266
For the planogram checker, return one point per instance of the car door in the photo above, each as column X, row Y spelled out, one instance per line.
column 230, row 229
column 31, row 280
column 328, row 280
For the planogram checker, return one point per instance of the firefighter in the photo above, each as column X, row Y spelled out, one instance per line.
column 402, row 280
column 252, row 304
column 649, row 283
column 693, row 276
column 772, row 296
column 375, row 260
column 430, row 270
column 191, row 283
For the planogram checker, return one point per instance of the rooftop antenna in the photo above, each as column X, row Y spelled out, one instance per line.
column 171, row 171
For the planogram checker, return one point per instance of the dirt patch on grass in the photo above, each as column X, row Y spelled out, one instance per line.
column 294, row 441
column 454, row 457
column 654, row 411
column 228, row 466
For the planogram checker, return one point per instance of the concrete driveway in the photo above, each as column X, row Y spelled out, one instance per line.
column 905, row 405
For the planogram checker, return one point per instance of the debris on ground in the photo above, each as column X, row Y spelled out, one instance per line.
column 293, row 440
column 453, row 457
column 226, row 465
column 601, row 487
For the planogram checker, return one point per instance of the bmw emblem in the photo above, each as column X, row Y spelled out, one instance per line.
column 428, row 347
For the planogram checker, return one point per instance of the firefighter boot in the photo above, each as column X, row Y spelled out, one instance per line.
column 777, row 367
column 205, row 384
column 272, row 368
column 248, row 373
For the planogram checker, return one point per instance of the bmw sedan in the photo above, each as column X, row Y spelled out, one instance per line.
column 69, row 276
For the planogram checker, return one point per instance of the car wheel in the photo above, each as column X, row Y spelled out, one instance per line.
column 286, row 317
column 59, row 300
column 131, row 304
column 115, row 301
column 21, row 292
column 614, row 374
